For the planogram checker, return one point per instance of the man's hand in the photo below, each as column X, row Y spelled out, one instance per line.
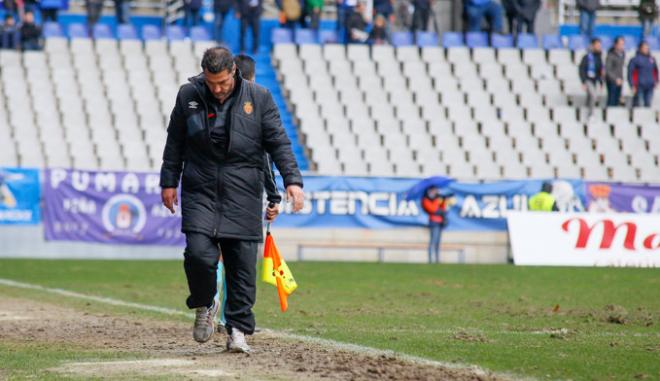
column 619, row 81
column 272, row 212
column 296, row 195
column 169, row 197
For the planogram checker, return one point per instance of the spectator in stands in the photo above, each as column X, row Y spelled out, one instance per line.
column 249, row 12
column 221, row 8
column 648, row 12
column 385, row 8
column 191, row 9
column 10, row 37
column 509, row 7
column 344, row 11
column 436, row 206
column 643, row 75
column 357, row 25
column 291, row 12
column 94, row 10
column 592, row 72
column 314, row 9
column 30, row 33
column 526, row 14
column 122, row 11
column 421, row 15
column 14, row 8
column 614, row 63
column 378, row 34
column 543, row 201
column 587, row 9
column 476, row 10
column 49, row 10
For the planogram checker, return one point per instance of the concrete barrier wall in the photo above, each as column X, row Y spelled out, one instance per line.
column 389, row 245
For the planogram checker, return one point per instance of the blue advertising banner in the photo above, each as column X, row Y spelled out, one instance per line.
column 125, row 207
column 350, row 202
column 108, row 207
column 19, row 196
column 607, row 198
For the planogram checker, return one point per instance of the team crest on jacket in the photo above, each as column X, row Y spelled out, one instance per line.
column 247, row 108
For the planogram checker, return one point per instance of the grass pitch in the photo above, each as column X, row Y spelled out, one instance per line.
column 545, row 323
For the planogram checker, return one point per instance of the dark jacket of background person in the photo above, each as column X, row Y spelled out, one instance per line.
column 243, row 7
column 642, row 71
column 355, row 22
column 436, row 208
column 222, row 6
column 588, row 5
column 527, row 9
column 648, row 10
column 30, row 34
column 614, row 65
column 9, row 36
column 222, row 189
column 598, row 68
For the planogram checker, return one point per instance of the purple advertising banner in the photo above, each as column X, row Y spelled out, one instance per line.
column 108, row 207
column 607, row 198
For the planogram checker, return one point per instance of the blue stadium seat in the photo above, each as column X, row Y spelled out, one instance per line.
column 577, row 42
column 653, row 42
column 476, row 39
column 502, row 41
column 199, row 33
column 175, row 33
column 630, row 42
column 305, row 36
column 452, row 40
column 281, row 36
column 605, row 41
column 126, row 32
column 150, row 32
column 552, row 41
column 426, row 39
column 102, row 31
column 52, row 29
column 328, row 36
column 402, row 39
column 527, row 41
column 78, row 30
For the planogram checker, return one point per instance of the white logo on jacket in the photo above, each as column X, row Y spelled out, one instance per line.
column 192, row 105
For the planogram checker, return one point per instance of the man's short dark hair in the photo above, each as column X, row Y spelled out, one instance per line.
column 617, row 39
column 245, row 65
column 595, row 40
column 217, row 59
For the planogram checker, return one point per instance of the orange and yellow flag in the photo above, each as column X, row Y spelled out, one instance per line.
column 276, row 272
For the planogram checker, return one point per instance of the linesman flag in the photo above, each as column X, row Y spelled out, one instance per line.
column 276, row 272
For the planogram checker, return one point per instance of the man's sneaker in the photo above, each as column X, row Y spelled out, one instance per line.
column 204, row 323
column 236, row 342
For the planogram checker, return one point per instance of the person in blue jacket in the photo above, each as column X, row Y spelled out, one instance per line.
column 643, row 76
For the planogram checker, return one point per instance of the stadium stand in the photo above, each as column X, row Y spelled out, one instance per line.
column 473, row 113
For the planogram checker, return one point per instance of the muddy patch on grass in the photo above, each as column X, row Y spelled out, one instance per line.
column 173, row 353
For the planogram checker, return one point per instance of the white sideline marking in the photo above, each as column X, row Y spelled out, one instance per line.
column 309, row 339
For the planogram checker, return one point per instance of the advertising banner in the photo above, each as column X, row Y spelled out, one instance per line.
column 19, row 196
column 108, row 207
column 585, row 239
column 607, row 198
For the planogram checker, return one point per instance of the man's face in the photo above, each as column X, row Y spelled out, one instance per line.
column 596, row 47
column 619, row 46
column 29, row 17
column 221, row 84
column 644, row 49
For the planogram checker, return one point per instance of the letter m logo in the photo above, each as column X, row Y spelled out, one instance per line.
column 609, row 232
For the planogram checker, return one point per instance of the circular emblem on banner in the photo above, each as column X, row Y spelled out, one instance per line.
column 247, row 107
column 124, row 213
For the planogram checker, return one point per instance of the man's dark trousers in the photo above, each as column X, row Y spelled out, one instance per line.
column 250, row 19
column 240, row 260
column 613, row 93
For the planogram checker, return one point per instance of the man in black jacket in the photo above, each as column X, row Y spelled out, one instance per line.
column 221, row 9
column 219, row 131
column 614, row 62
column 591, row 73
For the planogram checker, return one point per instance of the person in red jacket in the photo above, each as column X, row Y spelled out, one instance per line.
column 436, row 206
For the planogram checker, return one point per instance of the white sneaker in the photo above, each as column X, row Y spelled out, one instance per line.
column 204, row 323
column 236, row 342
